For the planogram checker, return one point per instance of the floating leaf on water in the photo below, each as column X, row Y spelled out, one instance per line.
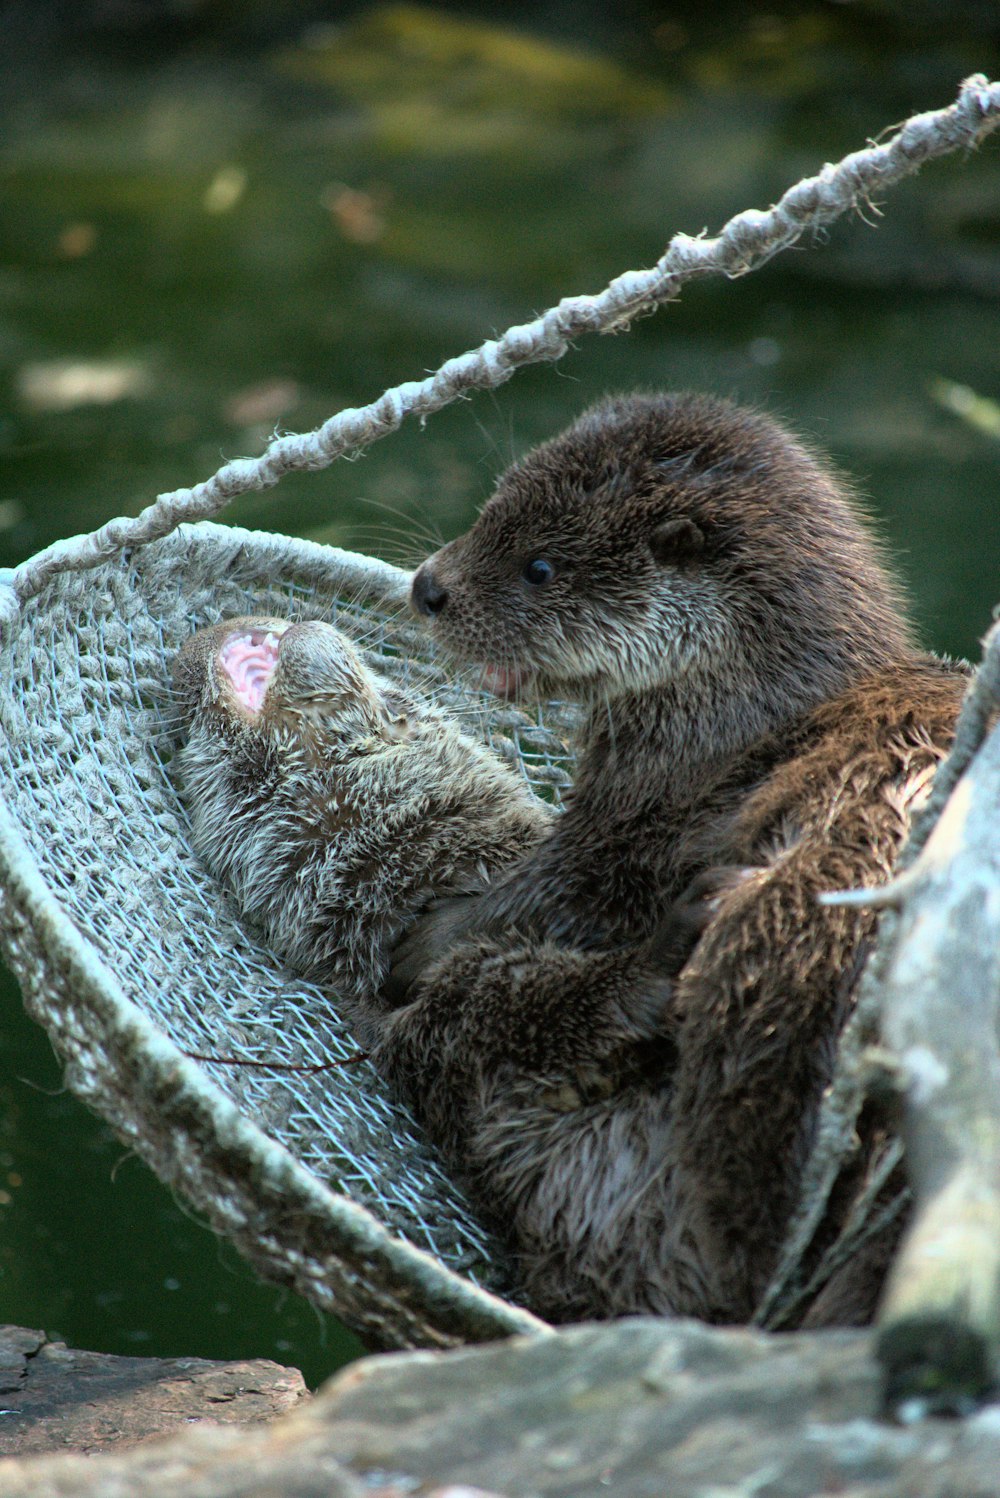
column 359, row 216
column 975, row 410
column 225, row 190
column 261, row 404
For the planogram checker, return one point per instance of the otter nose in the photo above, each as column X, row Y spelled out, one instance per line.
column 426, row 594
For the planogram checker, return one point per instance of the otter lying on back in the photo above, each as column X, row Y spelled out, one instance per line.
column 335, row 809
column 759, row 719
column 330, row 803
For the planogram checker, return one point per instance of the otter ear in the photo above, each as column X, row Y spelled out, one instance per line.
column 674, row 541
column 397, row 728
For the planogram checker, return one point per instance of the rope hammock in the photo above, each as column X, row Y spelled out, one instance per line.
column 128, row 953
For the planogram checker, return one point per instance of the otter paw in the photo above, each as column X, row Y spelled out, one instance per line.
column 547, row 1009
column 569, row 1094
column 442, row 926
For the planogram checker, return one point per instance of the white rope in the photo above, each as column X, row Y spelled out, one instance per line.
column 746, row 241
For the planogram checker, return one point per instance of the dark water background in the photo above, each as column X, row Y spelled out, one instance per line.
column 216, row 219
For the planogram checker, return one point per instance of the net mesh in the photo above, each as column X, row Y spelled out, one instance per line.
column 95, row 817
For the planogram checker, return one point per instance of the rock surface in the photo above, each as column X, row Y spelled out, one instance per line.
column 641, row 1409
column 53, row 1398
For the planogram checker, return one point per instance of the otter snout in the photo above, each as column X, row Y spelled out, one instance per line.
column 428, row 595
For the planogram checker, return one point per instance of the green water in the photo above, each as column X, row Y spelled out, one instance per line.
column 213, row 226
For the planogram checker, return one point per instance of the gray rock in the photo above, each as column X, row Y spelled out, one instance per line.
column 637, row 1408
column 54, row 1398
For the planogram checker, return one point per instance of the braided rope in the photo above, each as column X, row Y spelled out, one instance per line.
column 746, row 241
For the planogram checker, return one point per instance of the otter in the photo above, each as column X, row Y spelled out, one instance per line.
column 333, row 805
column 335, row 809
column 759, row 723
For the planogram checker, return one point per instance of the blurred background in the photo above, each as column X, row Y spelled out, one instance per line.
column 219, row 218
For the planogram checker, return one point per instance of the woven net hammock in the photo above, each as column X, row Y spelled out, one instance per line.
column 121, row 939
column 229, row 1075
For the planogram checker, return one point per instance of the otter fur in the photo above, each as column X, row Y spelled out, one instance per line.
column 333, row 805
column 758, row 723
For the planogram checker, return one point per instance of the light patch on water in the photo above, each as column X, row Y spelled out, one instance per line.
column 64, row 384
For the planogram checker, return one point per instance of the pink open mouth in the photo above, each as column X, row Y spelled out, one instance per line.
column 249, row 658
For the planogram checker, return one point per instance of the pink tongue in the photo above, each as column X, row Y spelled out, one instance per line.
column 502, row 682
column 249, row 661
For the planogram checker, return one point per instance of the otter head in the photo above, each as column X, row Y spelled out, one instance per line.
column 666, row 542
column 267, row 678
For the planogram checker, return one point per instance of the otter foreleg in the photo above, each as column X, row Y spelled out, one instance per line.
column 531, row 1009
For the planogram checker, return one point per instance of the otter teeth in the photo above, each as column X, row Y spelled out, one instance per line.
column 249, row 661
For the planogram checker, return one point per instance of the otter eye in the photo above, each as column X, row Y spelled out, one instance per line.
column 538, row 572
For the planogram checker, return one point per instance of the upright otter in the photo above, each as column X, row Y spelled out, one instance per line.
column 759, row 717
column 758, row 723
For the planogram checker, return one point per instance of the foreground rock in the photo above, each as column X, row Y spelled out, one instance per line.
column 641, row 1409
column 54, row 1398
